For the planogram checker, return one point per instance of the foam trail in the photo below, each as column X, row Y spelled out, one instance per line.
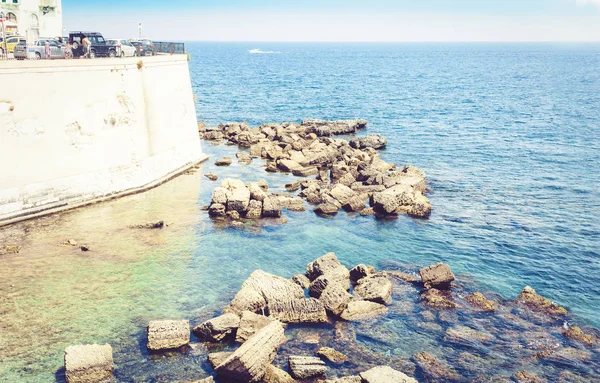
column 258, row 51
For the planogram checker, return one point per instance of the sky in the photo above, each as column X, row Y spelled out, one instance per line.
column 339, row 20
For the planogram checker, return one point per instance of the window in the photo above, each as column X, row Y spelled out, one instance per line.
column 35, row 22
column 11, row 17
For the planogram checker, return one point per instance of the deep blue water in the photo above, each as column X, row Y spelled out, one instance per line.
column 508, row 135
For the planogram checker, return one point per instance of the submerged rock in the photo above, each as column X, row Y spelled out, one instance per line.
column 577, row 334
column 538, row 303
column 217, row 329
column 211, row 176
column 249, row 363
column 434, row 369
column 479, row 301
column 305, row 367
column 88, row 363
column 168, row 334
column 438, row 276
column 439, row 299
column 527, row 377
column 385, row 374
column 362, row 310
column 217, row 358
column 332, row 355
column 277, row 375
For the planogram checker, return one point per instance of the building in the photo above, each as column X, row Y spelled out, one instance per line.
column 32, row 18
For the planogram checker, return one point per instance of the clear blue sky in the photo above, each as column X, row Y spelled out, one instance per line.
column 340, row 20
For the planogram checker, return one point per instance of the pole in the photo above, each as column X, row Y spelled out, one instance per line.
column 5, row 49
column 140, row 29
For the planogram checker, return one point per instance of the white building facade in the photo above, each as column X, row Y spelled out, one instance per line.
column 32, row 18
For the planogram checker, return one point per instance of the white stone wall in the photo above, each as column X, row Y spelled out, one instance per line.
column 78, row 130
column 31, row 20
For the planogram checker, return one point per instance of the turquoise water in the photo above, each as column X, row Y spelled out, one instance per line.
column 508, row 137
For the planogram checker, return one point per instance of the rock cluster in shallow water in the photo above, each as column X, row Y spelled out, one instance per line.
column 347, row 173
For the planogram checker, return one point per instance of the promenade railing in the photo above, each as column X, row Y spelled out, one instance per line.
column 168, row 47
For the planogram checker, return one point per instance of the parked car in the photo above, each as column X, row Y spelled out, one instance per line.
column 38, row 50
column 12, row 41
column 98, row 46
column 139, row 47
column 147, row 44
column 124, row 47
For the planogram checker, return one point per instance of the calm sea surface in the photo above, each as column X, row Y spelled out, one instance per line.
column 508, row 136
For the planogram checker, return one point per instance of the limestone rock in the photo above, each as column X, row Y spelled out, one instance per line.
column 206, row 380
column 211, row 176
column 217, row 358
column 88, row 363
column 385, row 374
column 577, row 334
column 225, row 161
column 478, row 300
column 301, row 280
column 256, row 192
column 288, row 165
column 332, row 355
column 277, row 375
column 217, row 329
column 359, row 272
column 239, row 199
column 538, row 303
column 261, row 289
column 343, row 194
column 254, row 209
column 335, row 299
column 243, row 158
column 355, row 204
column 345, row 379
column 439, row 276
column 375, row 288
column 421, row 207
column 168, row 334
column 305, row 367
column 306, row 171
column 322, row 265
column 217, row 210
column 388, row 201
column 466, row 336
column 339, row 277
column 439, row 299
column 362, row 310
column 326, row 209
column 250, row 323
column 220, row 196
column 249, row 363
column 434, row 369
column 271, row 207
column 303, row 310
column 527, row 377
column 375, row 141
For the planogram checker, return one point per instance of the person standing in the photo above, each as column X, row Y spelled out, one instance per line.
column 86, row 46
column 47, row 48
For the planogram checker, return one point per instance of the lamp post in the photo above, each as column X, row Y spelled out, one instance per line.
column 140, row 29
column 4, row 49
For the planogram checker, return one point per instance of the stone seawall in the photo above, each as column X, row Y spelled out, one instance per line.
column 78, row 131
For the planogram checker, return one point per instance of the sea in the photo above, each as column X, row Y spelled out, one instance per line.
column 507, row 134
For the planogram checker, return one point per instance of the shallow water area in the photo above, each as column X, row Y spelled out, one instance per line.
column 508, row 149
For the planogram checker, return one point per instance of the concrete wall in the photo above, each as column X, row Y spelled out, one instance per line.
column 78, row 130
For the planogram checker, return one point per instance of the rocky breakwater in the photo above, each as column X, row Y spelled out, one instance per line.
column 258, row 314
column 237, row 201
column 347, row 173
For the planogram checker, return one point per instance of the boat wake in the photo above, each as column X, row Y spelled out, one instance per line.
column 258, row 51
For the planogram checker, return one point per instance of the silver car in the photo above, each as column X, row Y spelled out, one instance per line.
column 38, row 50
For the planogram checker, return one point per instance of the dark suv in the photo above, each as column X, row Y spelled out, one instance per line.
column 98, row 46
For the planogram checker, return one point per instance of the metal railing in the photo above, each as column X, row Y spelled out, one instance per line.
column 168, row 47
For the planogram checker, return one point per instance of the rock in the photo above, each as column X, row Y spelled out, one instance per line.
column 439, row 299
column 332, row 355
column 249, row 363
column 326, row 209
column 271, row 207
column 438, row 276
column 527, row 377
column 220, row 196
column 168, row 334
column 84, row 248
column 149, row 225
column 277, row 375
column 293, row 186
column 239, row 199
column 367, row 212
column 375, row 288
column 217, row 329
column 305, row 172
column 88, row 363
column 341, row 193
column 271, row 167
column 211, row 176
column 254, row 209
column 355, row 204
column 233, row 215
column 323, row 265
column 244, row 158
column 385, row 374
column 479, row 301
column 338, row 277
column 362, row 310
column 359, row 272
column 301, row 280
column 375, row 141
column 335, row 299
column 225, row 161
column 577, row 334
column 466, row 336
column 217, row 358
column 288, row 165
column 388, row 201
column 206, row 380
column 538, row 303
column 421, row 207
column 303, row 310
column 262, row 289
column 250, row 323
column 217, row 210
column 10, row 249
column 434, row 369
column 213, row 135
column 256, row 192
column 305, row 367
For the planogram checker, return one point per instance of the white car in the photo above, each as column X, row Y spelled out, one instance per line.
column 124, row 47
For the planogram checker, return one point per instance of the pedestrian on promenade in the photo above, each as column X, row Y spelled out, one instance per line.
column 47, row 47
column 86, row 47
